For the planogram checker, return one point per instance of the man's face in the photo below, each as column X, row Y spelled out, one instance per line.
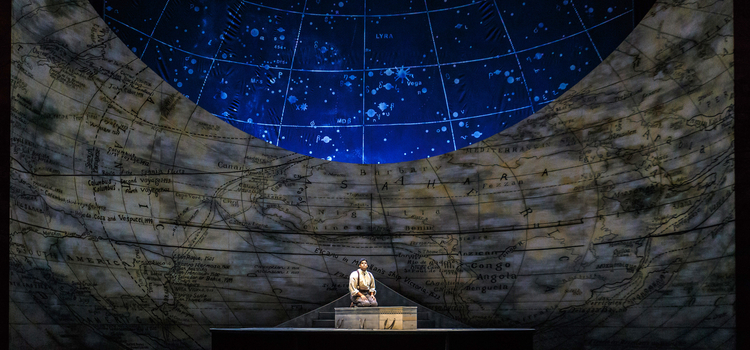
column 363, row 265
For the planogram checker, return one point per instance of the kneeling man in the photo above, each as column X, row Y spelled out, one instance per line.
column 362, row 286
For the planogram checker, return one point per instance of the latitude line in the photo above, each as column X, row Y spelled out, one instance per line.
column 357, row 70
column 540, row 225
column 440, row 71
column 365, row 15
column 153, row 30
column 374, row 125
column 291, row 65
column 498, row 230
column 587, row 31
column 515, row 53
column 26, row 171
column 258, row 252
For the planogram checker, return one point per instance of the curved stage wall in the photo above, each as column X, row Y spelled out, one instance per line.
column 605, row 220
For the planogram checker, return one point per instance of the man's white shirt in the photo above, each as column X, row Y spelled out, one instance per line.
column 366, row 281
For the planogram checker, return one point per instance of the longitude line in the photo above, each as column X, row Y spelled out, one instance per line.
column 440, row 70
column 513, row 48
column 364, row 91
column 586, row 30
column 291, row 65
column 213, row 60
column 154, row 30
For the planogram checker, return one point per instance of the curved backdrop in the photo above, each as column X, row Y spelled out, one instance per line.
column 139, row 220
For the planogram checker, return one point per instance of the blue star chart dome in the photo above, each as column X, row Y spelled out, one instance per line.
column 365, row 81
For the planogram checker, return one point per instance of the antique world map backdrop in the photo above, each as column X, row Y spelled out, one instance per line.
column 605, row 219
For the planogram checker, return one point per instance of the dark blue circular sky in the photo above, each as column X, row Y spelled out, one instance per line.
column 366, row 81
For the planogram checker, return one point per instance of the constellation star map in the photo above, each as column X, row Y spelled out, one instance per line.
column 372, row 81
column 139, row 220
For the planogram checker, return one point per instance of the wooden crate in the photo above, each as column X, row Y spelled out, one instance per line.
column 381, row 317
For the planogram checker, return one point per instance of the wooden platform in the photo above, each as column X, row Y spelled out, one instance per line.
column 391, row 339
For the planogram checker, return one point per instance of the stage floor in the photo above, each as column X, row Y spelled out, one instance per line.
column 391, row 339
